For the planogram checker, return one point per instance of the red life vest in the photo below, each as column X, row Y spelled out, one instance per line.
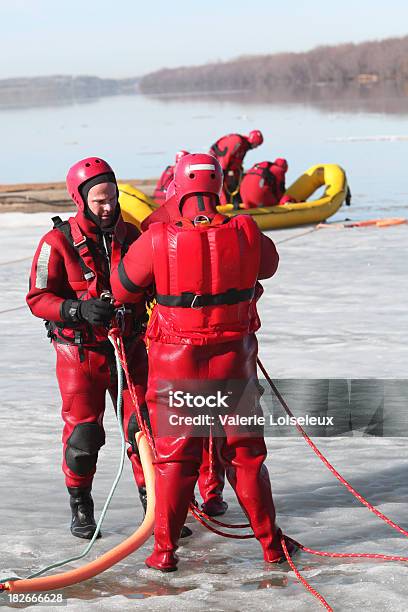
column 162, row 185
column 205, row 278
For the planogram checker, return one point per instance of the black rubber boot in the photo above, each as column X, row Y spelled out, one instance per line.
column 185, row 531
column 83, row 522
column 292, row 547
column 215, row 507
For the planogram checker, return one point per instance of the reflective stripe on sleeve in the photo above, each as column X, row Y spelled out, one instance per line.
column 41, row 278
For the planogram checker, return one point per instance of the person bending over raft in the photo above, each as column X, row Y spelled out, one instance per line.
column 206, row 269
column 264, row 184
column 230, row 151
column 164, row 181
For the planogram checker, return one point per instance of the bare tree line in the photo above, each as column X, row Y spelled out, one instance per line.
column 364, row 62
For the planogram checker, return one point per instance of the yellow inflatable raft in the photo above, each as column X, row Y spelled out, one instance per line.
column 136, row 206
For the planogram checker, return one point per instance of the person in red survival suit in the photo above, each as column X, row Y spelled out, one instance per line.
column 206, row 269
column 230, row 151
column 70, row 272
column 165, row 179
column 264, row 184
column 211, row 479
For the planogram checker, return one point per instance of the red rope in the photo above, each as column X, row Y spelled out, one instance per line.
column 350, row 488
column 220, row 523
column 194, row 511
column 299, row 576
column 198, row 514
column 117, row 337
column 335, row 555
column 330, row 467
column 210, row 453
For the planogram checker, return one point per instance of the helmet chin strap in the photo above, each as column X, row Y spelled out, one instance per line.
column 199, row 204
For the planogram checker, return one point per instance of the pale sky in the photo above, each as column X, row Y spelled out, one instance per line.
column 126, row 38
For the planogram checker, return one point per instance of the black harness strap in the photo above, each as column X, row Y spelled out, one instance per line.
column 266, row 175
column 217, row 151
column 65, row 229
column 192, row 300
column 200, row 201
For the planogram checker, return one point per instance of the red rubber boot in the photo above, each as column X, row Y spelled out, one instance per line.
column 176, row 472
column 250, row 479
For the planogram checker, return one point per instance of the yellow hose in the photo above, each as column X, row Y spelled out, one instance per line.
column 130, row 545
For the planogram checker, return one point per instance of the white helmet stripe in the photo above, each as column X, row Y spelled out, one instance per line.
column 201, row 167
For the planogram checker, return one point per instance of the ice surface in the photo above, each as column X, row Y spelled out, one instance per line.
column 336, row 308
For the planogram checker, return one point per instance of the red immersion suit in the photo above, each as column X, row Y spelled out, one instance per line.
column 264, row 184
column 85, row 362
column 212, row 473
column 202, row 328
column 230, row 151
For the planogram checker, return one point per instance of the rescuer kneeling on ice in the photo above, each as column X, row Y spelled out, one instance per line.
column 205, row 267
column 70, row 273
column 264, row 184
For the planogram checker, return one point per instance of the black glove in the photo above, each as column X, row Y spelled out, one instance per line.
column 69, row 311
column 95, row 311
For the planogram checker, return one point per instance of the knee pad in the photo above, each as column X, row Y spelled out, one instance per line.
column 82, row 448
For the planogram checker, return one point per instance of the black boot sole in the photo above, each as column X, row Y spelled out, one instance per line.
column 85, row 533
column 166, row 570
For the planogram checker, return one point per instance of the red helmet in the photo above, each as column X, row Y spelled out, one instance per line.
column 197, row 173
column 180, row 154
column 255, row 138
column 282, row 163
column 83, row 171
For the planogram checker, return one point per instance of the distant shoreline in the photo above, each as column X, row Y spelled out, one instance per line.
column 367, row 64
